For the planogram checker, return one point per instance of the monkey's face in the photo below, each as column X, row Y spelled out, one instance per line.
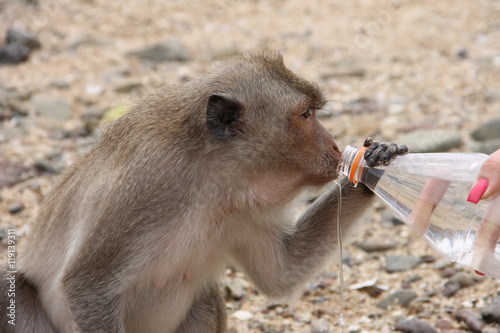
column 268, row 116
column 312, row 149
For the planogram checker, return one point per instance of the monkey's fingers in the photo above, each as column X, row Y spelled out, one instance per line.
column 382, row 153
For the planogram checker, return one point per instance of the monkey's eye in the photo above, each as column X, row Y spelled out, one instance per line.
column 309, row 112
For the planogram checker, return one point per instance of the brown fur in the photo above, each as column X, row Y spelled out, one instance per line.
column 136, row 234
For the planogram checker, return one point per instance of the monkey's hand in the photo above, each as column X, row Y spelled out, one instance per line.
column 382, row 152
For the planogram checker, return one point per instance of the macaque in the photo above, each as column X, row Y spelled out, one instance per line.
column 196, row 177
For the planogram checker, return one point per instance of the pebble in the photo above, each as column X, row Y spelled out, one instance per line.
column 171, row 50
column 242, row 315
column 457, row 282
column 375, row 245
column 362, row 105
column 473, row 322
column 491, row 313
column 444, row 325
column 488, row 130
column 223, row 52
column 91, row 118
column 12, row 173
column 414, row 326
column 320, row 326
column 127, row 85
column 442, row 264
column 16, row 208
column 401, row 263
column 485, row 147
column 60, row 84
column 431, row 140
column 401, row 297
column 233, row 288
column 18, row 46
column 51, row 112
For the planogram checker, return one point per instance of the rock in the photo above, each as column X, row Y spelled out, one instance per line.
column 431, row 140
column 60, row 84
column 371, row 287
column 16, row 208
column 12, row 173
column 473, row 322
column 223, row 52
column 448, row 272
column 171, row 50
column 344, row 72
column 414, row 326
column 233, row 288
column 442, row 264
column 450, row 289
column 444, row 325
column 485, row 147
column 18, row 46
column 489, row 329
column 361, row 105
column 457, row 282
column 91, row 118
column 242, row 315
column 127, row 85
column 389, row 216
column 488, row 130
column 401, row 263
column 401, row 297
column 45, row 166
column 320, row 326
column 51, row 112
column 376, row 245
column 463, row 279
column 462, row 53
column 491, row 313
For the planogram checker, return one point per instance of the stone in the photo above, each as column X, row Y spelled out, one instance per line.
column 16, row 208
column 473, row 322
column 91, row 118
column 362, row 105
column 171, row 50
column 127, row 85
column 485, row 147
column 242, row 315
column 233, row 288
column 223, row 52
column 320, row 326
column 51, row 112
column 487, row 131
column 414, row 326
column 431, row 140
column 18, row 46
column 12, row 173
column 401, row 297
column 491, row 313
column 401, row 263
column 375, row 245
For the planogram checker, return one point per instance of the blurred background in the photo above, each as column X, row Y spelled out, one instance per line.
column 425, row 73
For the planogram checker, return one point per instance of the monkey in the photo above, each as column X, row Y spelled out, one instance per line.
column 195, row 177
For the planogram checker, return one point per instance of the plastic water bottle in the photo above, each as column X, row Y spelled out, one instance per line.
column 429, row 193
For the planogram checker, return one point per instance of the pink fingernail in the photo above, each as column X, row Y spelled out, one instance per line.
column 477, row 191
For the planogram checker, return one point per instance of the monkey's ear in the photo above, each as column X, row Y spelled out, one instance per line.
column 223, row 117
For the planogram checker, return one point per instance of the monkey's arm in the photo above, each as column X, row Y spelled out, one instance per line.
column 278, row 262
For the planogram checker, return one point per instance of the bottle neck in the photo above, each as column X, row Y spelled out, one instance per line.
column 352, row 163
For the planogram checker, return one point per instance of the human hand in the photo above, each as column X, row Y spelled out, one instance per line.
column 488, row 183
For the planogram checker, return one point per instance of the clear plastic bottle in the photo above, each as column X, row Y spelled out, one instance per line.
column 429, row 192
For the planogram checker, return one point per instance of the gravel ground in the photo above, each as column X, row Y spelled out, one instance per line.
column 388, row 67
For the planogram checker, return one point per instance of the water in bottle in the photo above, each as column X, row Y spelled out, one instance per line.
column 429, row 192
